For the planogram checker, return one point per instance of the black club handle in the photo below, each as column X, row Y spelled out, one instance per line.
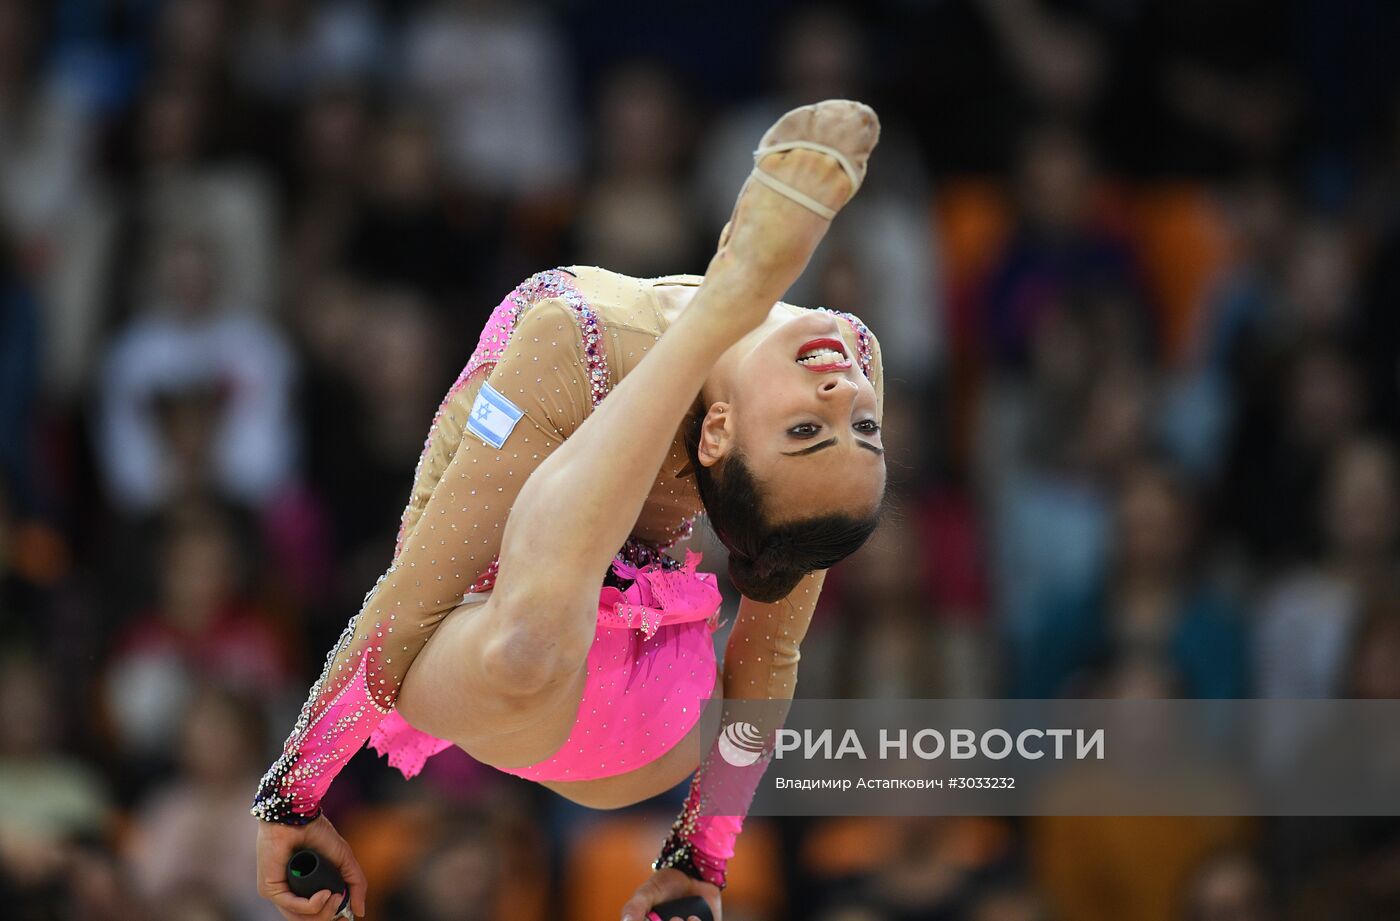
column 682, row 908
column 308, row 873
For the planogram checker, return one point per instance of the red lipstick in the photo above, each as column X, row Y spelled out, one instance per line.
column 825, row 343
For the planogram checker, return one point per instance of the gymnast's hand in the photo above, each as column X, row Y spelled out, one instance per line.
column 667, row 884
column 276, row 844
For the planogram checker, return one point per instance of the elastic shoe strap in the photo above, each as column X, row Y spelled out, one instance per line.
column 796, row 195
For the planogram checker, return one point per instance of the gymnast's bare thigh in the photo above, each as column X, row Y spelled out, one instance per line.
column 447, row 693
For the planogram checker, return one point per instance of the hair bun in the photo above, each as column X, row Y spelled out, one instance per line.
column 764, row 579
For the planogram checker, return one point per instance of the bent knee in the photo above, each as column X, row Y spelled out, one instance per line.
column 528, row 660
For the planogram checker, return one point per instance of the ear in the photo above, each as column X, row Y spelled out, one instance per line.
column 716, row 434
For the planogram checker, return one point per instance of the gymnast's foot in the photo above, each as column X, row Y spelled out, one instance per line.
column 809, row 165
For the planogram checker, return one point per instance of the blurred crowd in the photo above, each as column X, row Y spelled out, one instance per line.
column 1134, row 264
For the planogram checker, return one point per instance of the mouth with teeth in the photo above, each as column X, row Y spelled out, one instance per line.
column 823, row 355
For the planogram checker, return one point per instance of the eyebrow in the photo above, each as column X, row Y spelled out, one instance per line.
column 822, row 446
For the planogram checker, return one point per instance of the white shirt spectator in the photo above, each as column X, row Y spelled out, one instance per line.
column 1304, row 636
column 254, row 448
column 498, row 81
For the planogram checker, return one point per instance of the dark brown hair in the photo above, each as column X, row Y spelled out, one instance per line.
column 767, row 561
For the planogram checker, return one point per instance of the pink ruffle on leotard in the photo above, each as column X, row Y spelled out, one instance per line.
column 650, row 669
column 652, row 642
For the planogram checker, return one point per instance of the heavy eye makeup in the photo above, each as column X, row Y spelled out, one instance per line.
column 805, row 430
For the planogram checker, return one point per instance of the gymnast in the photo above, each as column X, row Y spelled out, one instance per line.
column 530, row 614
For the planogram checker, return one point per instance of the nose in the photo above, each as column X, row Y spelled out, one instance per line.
column 835, row 388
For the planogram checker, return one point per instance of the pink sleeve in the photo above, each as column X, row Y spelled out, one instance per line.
column 702, row 838
column 538, row 353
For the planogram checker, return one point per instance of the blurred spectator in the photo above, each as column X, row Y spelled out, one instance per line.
column 183, row 169
column 57, row 812
column 1309, row 403
column 1055, row 51
column 1230, row 886
column 1132, row 867
column 388, row 377
column 192, row 45
column 1055, row 446
column 1308, row 619
column 323, row 168
column 191, row 834
column 635, row 215
column 1374, row 670
column 1288, row 313
column 494, row 74
column 892, row 648
column 1020, row 61
column 1237, row 332
column 222, row 376
column 167, row 174
column 35, row 561
column 193, row 906
column 285, row 48
column 45, row 140
column 921, row 867
column 84, row 881
column 97, row 887
column 819, row 55
column 1357, row 880
column 1239, row 321
column 1008, row 903
column 46, row 149
column 9, row 578
column 1320, row 294
column 19, row 375
column 408, row 233
column 1308, row 616
column 47, row 798
column 851, row 912
column 1201, row 88
column 956, row 581
column 1349, row 866
column 103, row 48
column 929, row 873
column 1059, row 251
column 201, row 628
column 1153, row 603
column 1124, row 869
column 1378, row 323
column 459, row 878
column 1367, row 752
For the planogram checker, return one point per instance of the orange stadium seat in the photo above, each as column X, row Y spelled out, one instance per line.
column 389, row 840
column 1182, row 239
column 609, row 860
column 849, row 846
column 973, row 218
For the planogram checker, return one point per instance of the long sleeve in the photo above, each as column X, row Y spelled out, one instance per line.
column 448, row 541
column 760, row 663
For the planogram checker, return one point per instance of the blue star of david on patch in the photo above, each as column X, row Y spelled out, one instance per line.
column 493, row 416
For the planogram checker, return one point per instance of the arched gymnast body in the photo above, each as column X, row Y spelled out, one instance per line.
column 489, row 629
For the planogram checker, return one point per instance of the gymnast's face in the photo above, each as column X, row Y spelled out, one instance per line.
column 806, row 420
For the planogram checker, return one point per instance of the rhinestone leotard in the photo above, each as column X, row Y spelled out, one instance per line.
column 555, row 347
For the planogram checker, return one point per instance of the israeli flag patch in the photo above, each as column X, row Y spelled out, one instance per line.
column 493, row 416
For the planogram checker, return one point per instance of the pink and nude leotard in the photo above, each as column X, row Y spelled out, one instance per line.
column 554, row 348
